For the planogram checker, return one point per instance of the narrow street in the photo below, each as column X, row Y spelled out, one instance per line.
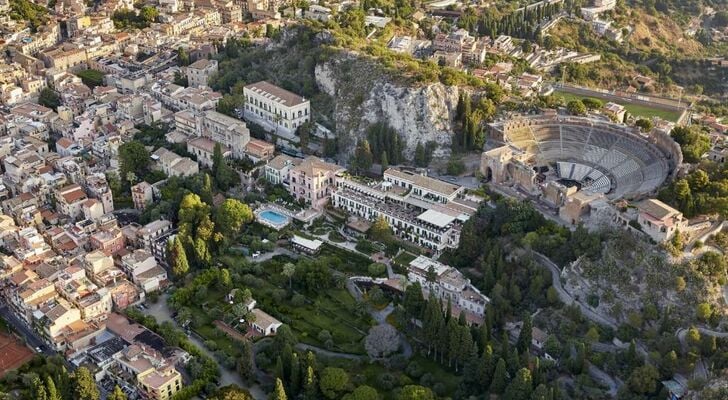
column 31, row 337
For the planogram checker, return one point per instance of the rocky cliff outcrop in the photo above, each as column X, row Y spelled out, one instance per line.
column 364, row 94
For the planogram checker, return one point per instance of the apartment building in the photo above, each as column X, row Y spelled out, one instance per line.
column 259, row 150
column 460, row 41
column 150, row 232
column 69, row 201
column 98, row 188
column 142, row 195
column 275, row 108
column 173, row 164
column 157, row 378
column 312, row 181
column 141, row 266
column 109, row 241
column 199, row 72
column 230, row 132
column 204, row 150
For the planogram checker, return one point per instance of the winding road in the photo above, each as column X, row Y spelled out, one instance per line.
column 565, row 297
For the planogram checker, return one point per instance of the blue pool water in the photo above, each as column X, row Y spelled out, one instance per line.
column 273, row 217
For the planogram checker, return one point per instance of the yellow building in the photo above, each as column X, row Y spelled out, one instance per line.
column 160, row 384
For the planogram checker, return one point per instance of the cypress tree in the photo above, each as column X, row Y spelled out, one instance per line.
column 278, row 370
column 51, row 389
column 513, row 362
column 295, row 379
column 178, row 258
column 38, row 390
column 310, row 388
column 521, row 386
column 523, row 344
column 279, row 393
column 498, row 383
column 384, row 161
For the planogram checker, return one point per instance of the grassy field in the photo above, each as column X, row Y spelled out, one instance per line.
column 634, row 109
column 405, row 258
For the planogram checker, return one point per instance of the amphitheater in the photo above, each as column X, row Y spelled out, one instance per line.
column 595, row 155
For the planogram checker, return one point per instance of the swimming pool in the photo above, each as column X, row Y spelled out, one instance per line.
column 272, row 218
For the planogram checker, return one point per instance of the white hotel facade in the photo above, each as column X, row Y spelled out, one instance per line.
column 449, row 284
column 422, row 210
column 275, row 108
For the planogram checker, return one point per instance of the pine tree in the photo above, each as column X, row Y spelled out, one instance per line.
column 178, row 258
column 245, row 365
column 466, row 346
column 363, row 158
column 224, row 175
column 279, row 393
column 498, row 383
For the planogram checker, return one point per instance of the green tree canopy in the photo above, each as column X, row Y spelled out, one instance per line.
column 415, row 392
column 84, row 385
column 333, row 381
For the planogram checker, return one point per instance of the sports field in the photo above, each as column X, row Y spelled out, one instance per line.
column 12, row 353
column 636, row 110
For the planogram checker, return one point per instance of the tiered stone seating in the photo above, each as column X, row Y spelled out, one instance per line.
column 635, row 165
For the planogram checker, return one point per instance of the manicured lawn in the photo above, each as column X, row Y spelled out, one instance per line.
column 637, row 110
column 351, row 263
column 405, row 258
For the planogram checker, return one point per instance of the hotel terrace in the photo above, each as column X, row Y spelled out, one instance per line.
column 423, row 210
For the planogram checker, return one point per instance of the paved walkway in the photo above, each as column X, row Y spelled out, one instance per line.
column 565, row 297
column 328, row 353
column 604, row 378
column 162, row 313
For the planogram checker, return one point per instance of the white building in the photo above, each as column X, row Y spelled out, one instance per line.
column 425, row 211
column 660, row 221
column 275, row 108
column 276, row 170
column 265, row 324
column 448, row 284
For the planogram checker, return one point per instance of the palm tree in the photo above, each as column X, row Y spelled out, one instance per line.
column 288, row 270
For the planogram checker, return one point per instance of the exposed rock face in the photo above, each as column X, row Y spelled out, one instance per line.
column 363, row 95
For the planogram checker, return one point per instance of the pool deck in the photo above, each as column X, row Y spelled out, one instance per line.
column 273, row 208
